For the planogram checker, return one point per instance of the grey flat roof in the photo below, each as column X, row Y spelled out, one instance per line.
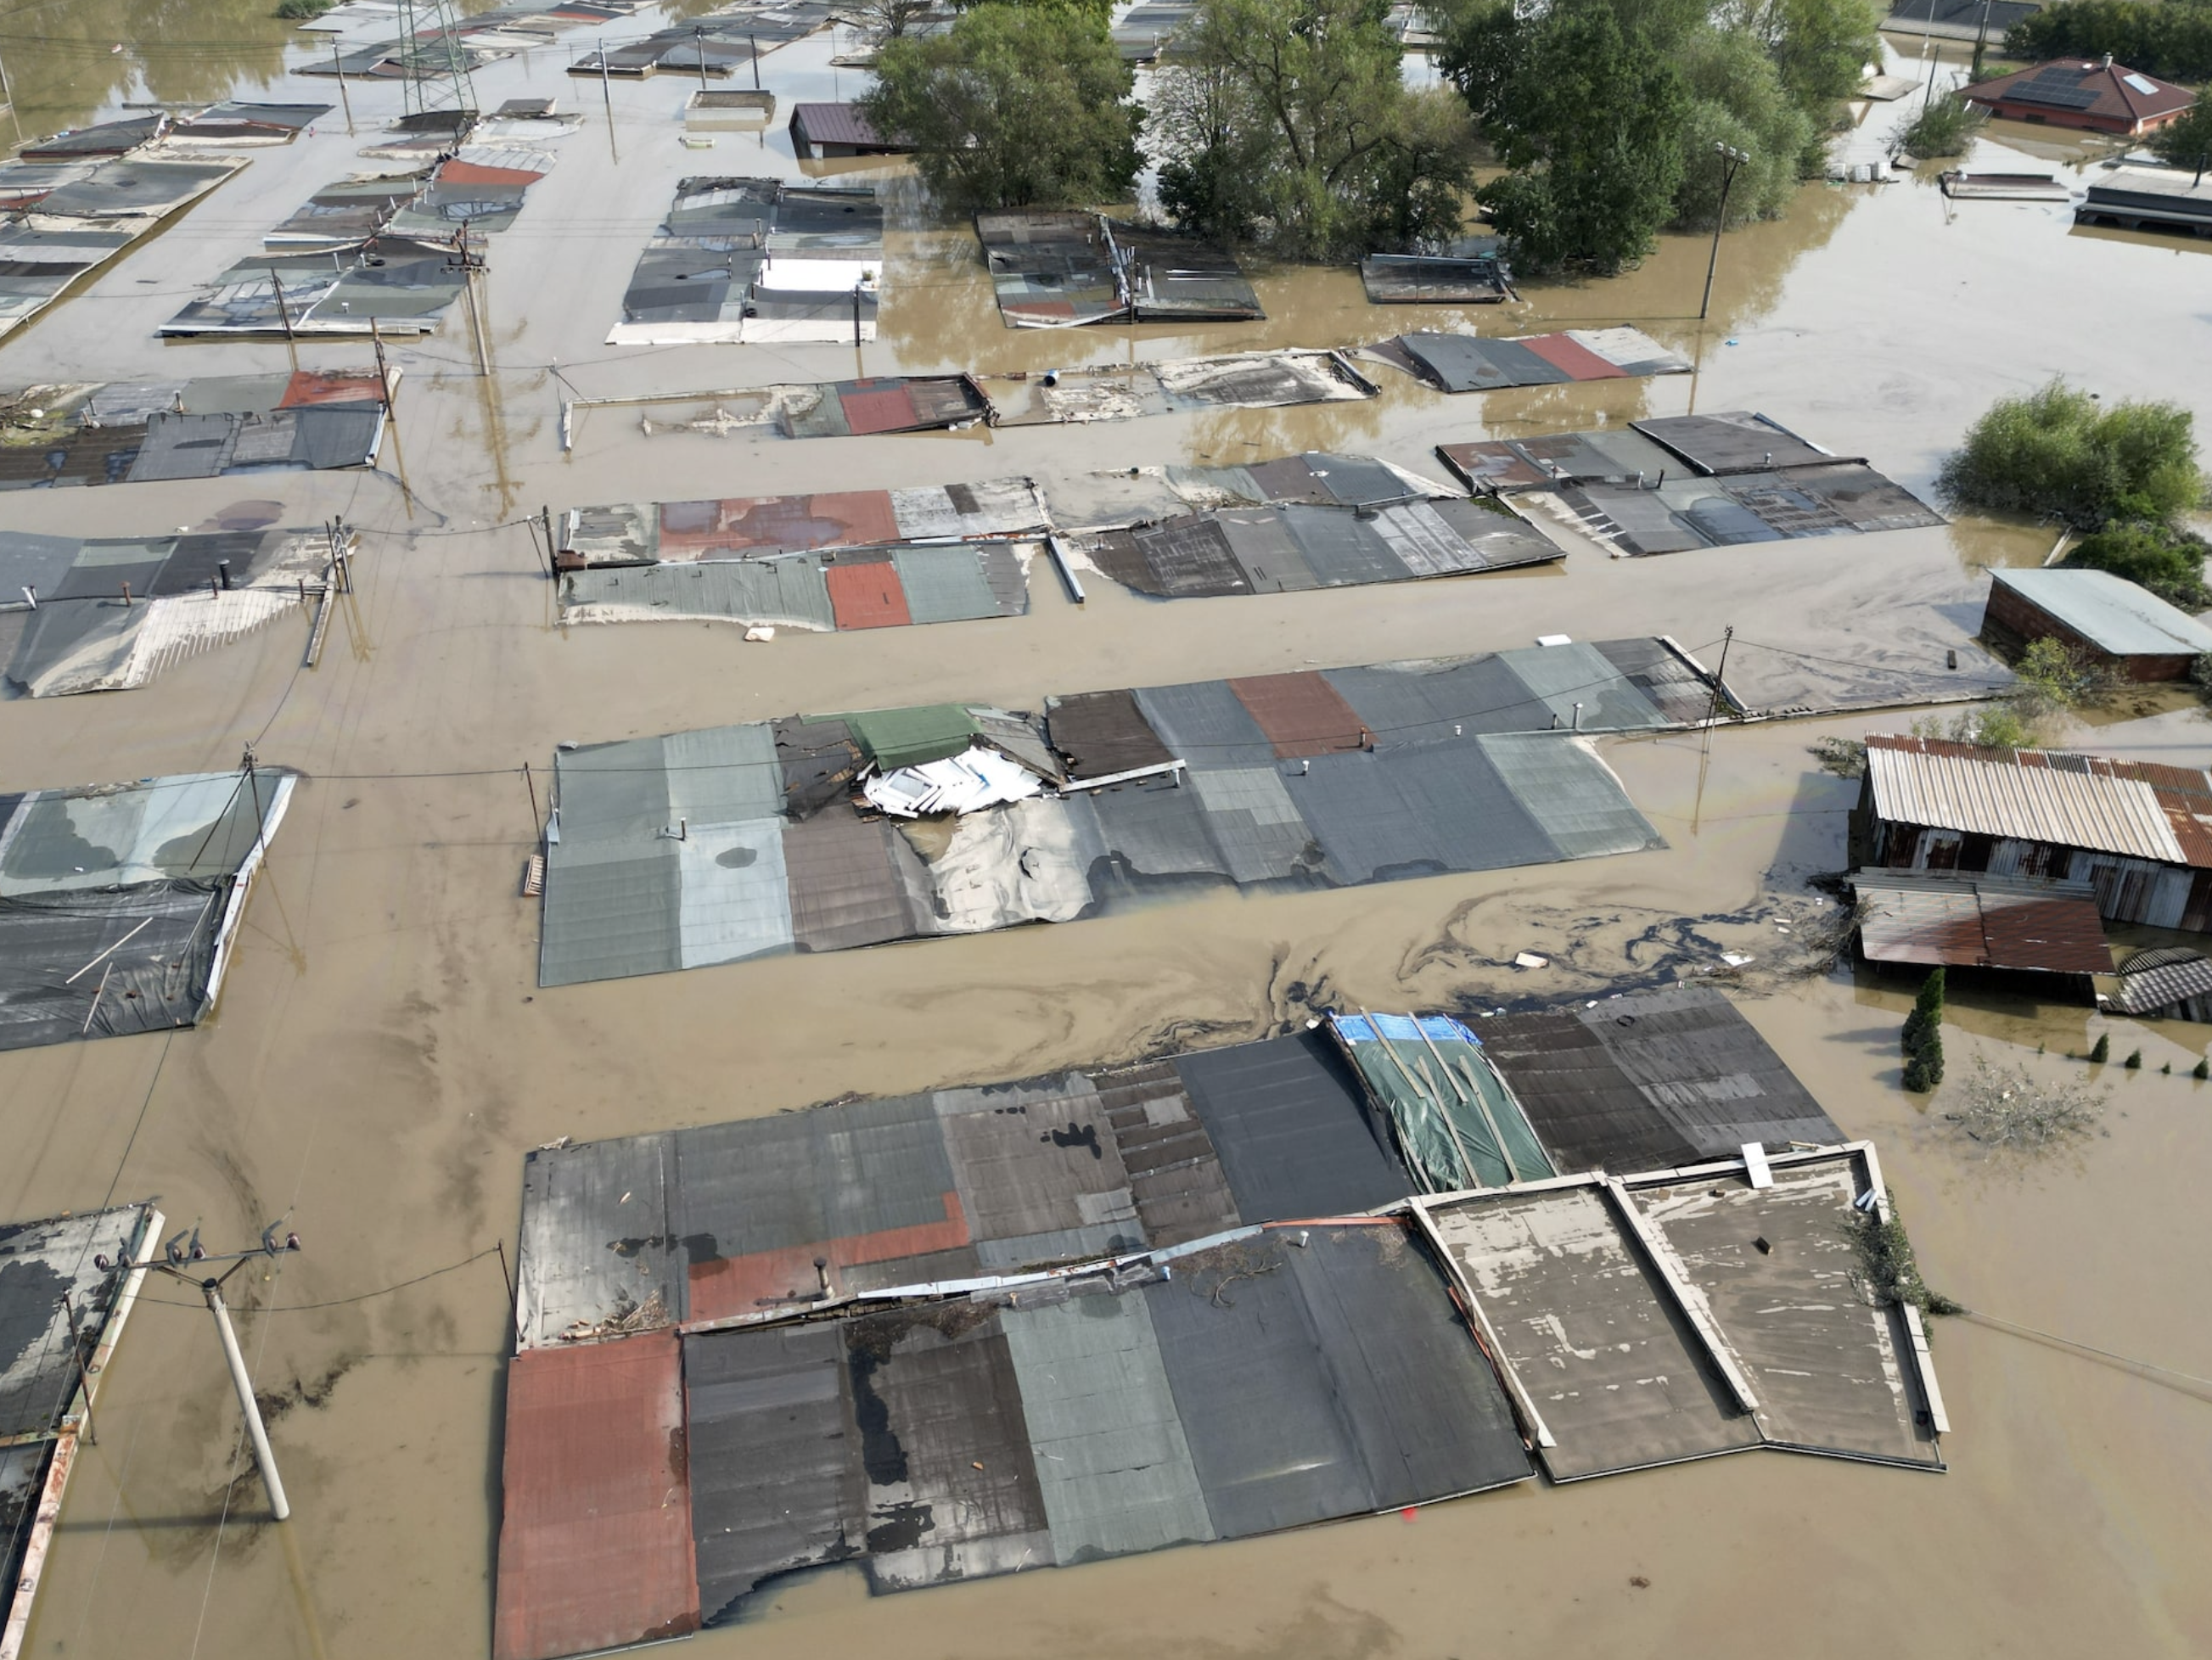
column 1613, row 1366
column 2110, row 612
column 1776, row 1267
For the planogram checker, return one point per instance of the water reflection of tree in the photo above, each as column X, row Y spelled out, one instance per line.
column 63, row 64
column 1756, row 261
column 1232, row 437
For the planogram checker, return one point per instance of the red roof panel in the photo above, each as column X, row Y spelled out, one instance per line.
column 1578, row 361
column 877, row 406
column 867, row 594
column 470, row 172
column 1302, row 713
column 736, row 525
column 331, row 387
column 742, row 1284
column 595, row 1545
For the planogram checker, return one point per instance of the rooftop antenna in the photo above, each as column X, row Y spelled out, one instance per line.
column 436, row 64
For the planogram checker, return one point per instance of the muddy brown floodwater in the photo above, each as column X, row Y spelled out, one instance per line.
column 382, row 1058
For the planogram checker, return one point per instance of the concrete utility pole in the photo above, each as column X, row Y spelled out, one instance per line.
column 181, row 1256
column 1731, row 159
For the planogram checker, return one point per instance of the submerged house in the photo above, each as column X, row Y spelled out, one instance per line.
column 831, row 130
column 2114, row 622
column 2138, row 833
column 2093, row 95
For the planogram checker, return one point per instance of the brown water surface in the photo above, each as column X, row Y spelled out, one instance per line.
column 382, row 1057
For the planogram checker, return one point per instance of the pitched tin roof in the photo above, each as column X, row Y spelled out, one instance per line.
column 2135, row 809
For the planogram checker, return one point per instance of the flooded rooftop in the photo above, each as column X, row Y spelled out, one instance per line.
column 383, row 1059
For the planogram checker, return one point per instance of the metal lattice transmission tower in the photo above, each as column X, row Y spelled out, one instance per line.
column 437, row 63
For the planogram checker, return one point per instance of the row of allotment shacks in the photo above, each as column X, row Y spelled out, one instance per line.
column 987, row 1329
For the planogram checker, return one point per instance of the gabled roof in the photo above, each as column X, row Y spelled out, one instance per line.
column 2135, row 809
column 2080, row 85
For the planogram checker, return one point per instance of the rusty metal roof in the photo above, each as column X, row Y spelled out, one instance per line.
column 1301, row 713
column 2134, row 809
column 1981, row 922
column 595, row 1545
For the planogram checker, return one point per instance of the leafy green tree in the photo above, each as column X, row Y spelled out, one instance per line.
column 1738, row 99
column 1589, row 116
column 1820, row 48
column 2186, row 142
column 2168, row 37
column 2060, row 452
column 1927, row 1009
column 1288, row 121
column 1013, row 106
column 2169, row 563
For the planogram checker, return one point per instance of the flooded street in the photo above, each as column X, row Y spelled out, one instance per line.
column 382, row 1057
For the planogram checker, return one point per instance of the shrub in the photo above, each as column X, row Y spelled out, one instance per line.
column 2201, row 1069
column 2134, row 1063
column 2059, row 451
column 2103, row 1051
column 1944, row 127
column 2170, row 563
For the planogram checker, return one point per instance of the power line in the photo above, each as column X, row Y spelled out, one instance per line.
column 343, row 1302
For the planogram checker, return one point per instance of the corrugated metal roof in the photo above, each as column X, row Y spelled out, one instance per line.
column 595, row 1547
column 2089, row 801
column 1982, row 921
column 867, row 594
column 2110, row 612
column 1736, row 440
column 2151, row 980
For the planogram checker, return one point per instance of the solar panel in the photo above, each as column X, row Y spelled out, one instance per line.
column 2059, row 89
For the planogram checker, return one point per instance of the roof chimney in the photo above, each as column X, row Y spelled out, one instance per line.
column 2107, row 63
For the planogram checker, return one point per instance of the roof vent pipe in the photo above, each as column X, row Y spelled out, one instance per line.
column 2107, row 63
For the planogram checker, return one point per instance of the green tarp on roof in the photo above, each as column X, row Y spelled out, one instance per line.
column 908, row 738
column 1459, row 1127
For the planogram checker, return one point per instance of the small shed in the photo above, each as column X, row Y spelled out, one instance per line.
column 2112, row 620
column 2138, row 832
column 821, row 131
column 2092, row 94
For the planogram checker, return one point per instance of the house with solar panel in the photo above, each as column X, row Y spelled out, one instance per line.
column 2093, row 94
